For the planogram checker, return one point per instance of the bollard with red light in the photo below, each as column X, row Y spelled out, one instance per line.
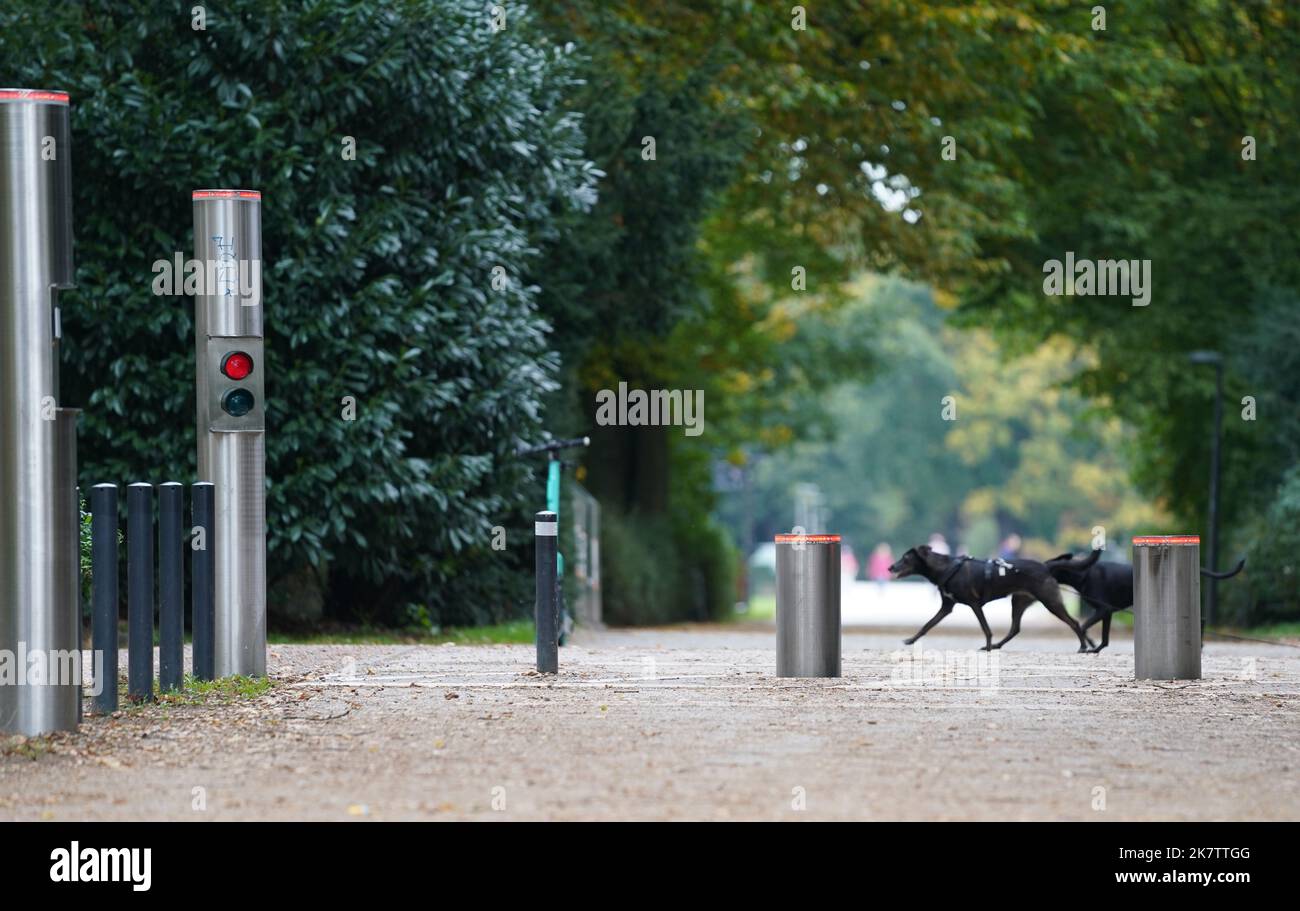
column 231, row 374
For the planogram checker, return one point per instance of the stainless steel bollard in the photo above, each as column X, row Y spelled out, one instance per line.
column 39, row 620
column 808, row 605
column 1167, row 608
column 230, row 372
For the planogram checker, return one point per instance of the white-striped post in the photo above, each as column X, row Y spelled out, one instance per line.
column 547, row 606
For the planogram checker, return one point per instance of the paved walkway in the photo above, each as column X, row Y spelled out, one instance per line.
column 690, row 723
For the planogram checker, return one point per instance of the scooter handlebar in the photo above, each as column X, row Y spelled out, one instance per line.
column 555, row 446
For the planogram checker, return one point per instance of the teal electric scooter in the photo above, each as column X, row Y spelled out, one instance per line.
column 554, row 472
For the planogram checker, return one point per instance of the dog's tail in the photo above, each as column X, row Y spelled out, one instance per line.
column 1065, row 569
column 1210, row 574
column 1067, row 561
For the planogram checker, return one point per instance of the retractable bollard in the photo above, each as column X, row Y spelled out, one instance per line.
column 1167, row 608
column 231, row 368
column 39, row 613
column 546, row 609
column 808, row 605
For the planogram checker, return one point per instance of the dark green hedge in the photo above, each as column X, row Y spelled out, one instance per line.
column 377, row 271
column 655, row 569
column 1269, row 590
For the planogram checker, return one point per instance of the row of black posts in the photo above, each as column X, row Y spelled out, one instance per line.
column 172, row 540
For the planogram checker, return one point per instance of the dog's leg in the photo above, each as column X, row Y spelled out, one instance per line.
column 1092, row 619
column 1050, row 595
column 1098, row 614
column 984, row 625
column 1105, row 633
column 1020, row 601
column 944, row 610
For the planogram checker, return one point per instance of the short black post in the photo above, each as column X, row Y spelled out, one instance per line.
column 103, row 595
column 202, row 594
column 139, row 591
column 78, row 512
column 547, row 607
column 171, row 605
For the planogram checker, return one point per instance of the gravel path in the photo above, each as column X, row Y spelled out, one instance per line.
column 690, row 723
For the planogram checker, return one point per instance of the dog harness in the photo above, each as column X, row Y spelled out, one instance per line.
column 996, row 566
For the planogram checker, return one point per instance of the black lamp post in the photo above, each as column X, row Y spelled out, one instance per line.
column 1216, row 359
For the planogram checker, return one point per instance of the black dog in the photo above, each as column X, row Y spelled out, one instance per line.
column 1107, row 587
column 977, row 582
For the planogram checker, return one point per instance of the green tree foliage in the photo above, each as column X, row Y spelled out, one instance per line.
column 1018, row 453
column 848, row 114
column 1131, row 140
column 378, row 271
column 773, row 151
column 962, row 143
column 1168, row 137
column 619, row 287
column 1271, row 588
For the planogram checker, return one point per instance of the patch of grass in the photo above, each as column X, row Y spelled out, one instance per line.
column 1289, row 630
column 1124, row 620
column 517, row 632
column 511, row 632
column 1121, row 620
column 222, row 691
column 761, row 607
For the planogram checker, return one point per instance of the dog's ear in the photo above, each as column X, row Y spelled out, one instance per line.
column 922, row 550
column 1062, row 558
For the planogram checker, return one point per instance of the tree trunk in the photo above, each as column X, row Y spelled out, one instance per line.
column 628, row 468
